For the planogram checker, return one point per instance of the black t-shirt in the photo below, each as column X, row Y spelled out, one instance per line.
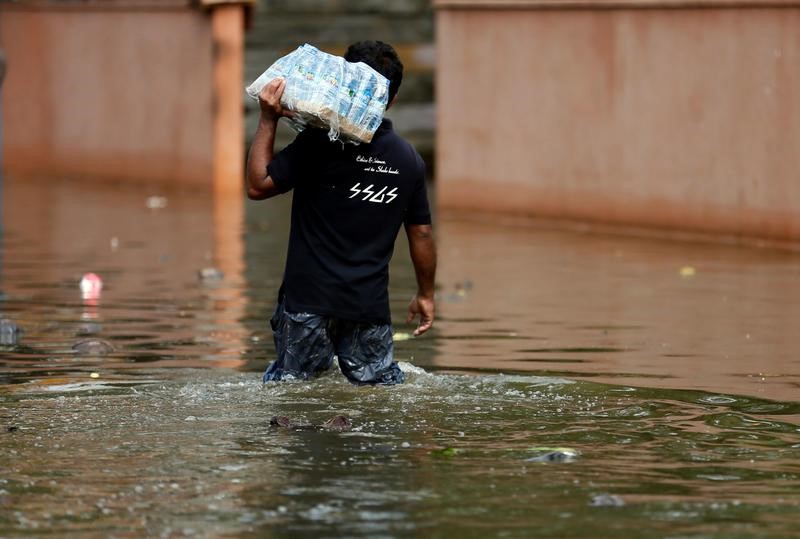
column 349, row 203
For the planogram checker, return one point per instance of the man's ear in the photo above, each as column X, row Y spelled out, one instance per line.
column 391, row 102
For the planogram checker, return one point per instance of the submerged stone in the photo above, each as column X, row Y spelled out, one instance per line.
column 89, row 328
column 92, row 347
column 281, row 421
column 338, row 422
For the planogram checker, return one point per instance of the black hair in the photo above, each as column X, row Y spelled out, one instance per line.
column 382, row 58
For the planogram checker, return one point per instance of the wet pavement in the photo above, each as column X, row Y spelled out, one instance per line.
column 576, row 383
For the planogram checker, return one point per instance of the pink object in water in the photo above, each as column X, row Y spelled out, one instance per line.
column 91, row 286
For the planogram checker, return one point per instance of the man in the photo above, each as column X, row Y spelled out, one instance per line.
column 349, row 203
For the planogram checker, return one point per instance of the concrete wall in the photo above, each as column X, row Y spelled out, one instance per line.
column 121, row 89
column 684, row 115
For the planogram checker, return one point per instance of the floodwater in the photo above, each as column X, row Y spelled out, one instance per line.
column 577, row 384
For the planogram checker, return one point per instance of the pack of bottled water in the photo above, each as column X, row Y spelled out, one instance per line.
column 327, row 91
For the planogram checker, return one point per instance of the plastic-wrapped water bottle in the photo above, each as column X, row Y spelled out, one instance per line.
column 349, row 99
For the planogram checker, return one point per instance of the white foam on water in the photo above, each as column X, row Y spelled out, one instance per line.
column 356, row 432
column 493, row 383
column 410, row 368
column 85, row 386
column 233, row 467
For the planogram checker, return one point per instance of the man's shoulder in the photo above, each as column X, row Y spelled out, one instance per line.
column 312, row 135
column 402, row 148
column 391, row 137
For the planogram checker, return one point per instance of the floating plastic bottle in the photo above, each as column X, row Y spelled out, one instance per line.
column 91, row 286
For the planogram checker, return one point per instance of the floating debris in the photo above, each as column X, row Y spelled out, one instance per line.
column 10, row 333
column 445, row 452
column 156, row 202
column 462, row 290
column 401, row 336
column 94, row 375
column 607, row 500
column 210, row 275
column 687, row 271
column 92, row 347
column 554, row 454
column 89, row 327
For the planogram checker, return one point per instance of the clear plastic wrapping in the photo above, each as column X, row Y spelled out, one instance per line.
column 327, row 91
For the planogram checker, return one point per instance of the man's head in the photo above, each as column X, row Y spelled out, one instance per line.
column 382, row 58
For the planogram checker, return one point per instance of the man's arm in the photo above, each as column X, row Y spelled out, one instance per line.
column 423, row 255
column 259, row 184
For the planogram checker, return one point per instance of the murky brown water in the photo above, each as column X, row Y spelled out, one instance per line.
column 665, row 373
column 620, row 310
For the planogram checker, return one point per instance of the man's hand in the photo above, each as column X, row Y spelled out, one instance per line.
column 269, row 99
column 262, row 149
column 423, row 256
column 423, row 307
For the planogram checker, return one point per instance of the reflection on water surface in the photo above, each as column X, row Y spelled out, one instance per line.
column 675, row 389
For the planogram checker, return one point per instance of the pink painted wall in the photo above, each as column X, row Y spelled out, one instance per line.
column 114, row 93
column 622, row 112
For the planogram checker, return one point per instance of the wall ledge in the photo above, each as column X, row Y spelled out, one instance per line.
column 118, row 5
column 610, row 4
column 214, row 3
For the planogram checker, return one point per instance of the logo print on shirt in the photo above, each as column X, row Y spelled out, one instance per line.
column 371, row 196
column 369, row 159
column 375, row 161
